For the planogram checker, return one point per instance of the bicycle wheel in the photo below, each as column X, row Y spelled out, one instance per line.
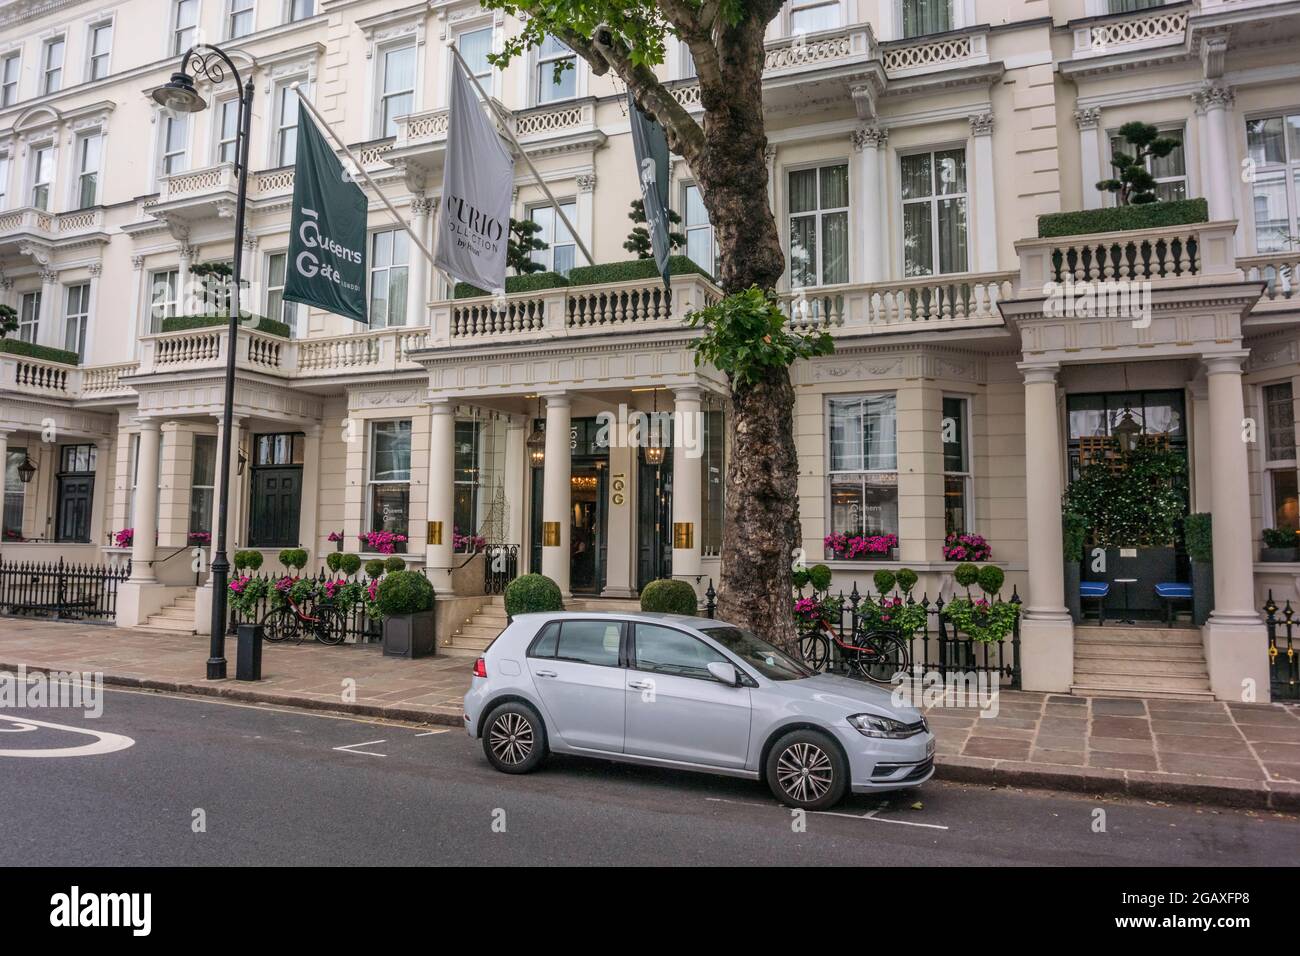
column 281, row 625
column 815, row 650
column 329, row 625
column 881, row 655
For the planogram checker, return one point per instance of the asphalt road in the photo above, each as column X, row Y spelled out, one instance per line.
column 289, row 787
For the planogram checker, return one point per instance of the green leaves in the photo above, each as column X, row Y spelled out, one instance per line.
column 745, row 337
column 1133, row 183
column 1140, row 505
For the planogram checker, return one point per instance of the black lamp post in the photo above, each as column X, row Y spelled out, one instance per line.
column 180, row 96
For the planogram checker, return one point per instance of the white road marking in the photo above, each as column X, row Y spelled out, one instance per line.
column 430, row 733
column 349, row 749
column 871, row 816
column 104, row 742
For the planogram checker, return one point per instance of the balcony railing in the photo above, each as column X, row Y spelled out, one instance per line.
column 965, row 300
column 1280, row 273
column 33, row 376
column 814, row 50
column 1142, row 30
column 39, row 224
column 205, row 348
column 904, row 58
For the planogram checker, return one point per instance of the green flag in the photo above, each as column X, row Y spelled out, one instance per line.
column 327, row 237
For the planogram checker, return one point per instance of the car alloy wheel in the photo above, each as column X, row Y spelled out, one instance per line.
column 805, row 772
column 511, row 738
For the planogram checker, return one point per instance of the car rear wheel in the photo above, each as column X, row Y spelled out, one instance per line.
column 806, row 770
column 514, row 738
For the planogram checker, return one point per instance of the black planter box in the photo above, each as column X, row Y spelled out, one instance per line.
column 410, row 635
column 248, row 660
column 1072, row 602
column 1202, row 591
column 1276, row 555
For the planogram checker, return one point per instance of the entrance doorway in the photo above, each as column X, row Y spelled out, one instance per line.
column 276, row 491
column 588, row 511
column 76, row 493
column 654, row 520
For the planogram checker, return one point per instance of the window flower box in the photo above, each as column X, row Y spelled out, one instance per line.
column 843, row 547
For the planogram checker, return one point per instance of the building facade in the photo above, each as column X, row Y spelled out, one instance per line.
column 913, row 144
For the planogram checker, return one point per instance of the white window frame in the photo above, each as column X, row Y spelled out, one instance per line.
column 10, row 78
column 81, row 144
column 967, row 474
column 386, row 321
column 234, row 13
column 79, row 320
column 47, row 49
column 1272, row 466
column 863, row 472
column 794, row 7
column 93, row 58
column 219, row 139
column 1288, row 169
column 181, row 38
column 372, row 482
column 547, row 256
column 933, row 199
column 4, row 180
column 165, row 122
column 290, row 313
column 1164, row 129
column 382, row 96
column 547, row 62
column 289, row 11
column 707, row 227
column 283, row 96
column 29, row 316
column 487, row 77
column 167, row 307
column 35, row 178
column 818, row 215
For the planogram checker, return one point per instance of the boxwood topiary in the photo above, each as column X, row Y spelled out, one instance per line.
column 44, row 352
column 632, row 270
column 374, row 568
column 991, row 579
column 350, row 564
column 884, row 580
column 1082, row 222
column 404, row 592
column 533, row 282
column 295, row 559
column 1074, row 533
column 820, row 576
column 394, row 563
column 966, row 574
column 334, row 561
column 799, row 577
column 667, row 596
column 531, row 593
column 906, row 580
column 248, row 560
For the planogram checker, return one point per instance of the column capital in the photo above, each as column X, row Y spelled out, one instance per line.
column 869, row 137
column 557, row 400
column 687, row 393
column 423, row 205
column 147, row 424
column 49, row 277
column 1087, row 118
column 981, row 124
column 1037, row 373
column 442, row 406
column 586, row 182
column 187, row 251
column 1225, row 363
column 1213, row 96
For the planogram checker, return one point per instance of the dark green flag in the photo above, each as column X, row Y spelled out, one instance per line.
column 327, row 238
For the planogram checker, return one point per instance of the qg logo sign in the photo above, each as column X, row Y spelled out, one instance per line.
column 309, row 264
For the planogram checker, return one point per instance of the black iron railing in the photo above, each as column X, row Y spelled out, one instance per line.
column 1283, row 657
column 358, row 626
column 500, row 567
column 60, row 590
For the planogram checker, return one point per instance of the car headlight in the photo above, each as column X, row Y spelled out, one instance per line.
column 869, row 725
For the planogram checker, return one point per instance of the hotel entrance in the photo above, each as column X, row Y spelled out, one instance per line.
column 588, row 497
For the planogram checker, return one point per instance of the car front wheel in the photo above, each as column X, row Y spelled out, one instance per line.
column 514, row 738
column 806, row 770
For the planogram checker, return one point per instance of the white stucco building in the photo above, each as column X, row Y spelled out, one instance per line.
column 913, row 143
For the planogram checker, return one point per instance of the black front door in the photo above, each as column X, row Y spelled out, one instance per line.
column 654, row 521
column 76, row 492
column 273, row 517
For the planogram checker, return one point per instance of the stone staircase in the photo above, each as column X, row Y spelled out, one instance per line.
column 1117, row 661
column 177, row 617
column 480, row 629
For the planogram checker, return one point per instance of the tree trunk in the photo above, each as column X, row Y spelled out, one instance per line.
column 762, row 501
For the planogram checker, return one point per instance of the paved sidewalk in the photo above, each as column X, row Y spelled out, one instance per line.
column 1232, row 754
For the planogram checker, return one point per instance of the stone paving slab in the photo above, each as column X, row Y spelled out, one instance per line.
column 1232, row 754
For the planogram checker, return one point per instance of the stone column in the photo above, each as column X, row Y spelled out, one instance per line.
column 1202, row 448
column 557, row 520
column 688, row 462
column 1088, row 122
column 620, row 554
column 144, row 545
column 1215, row 101
column 307, row 505
column 235, row 526
column 46, row 333
column 4, row 464
column 586, row 212
column 981, row 178
column 869, row 216
column 417, row 295
column 920, row 471
column 516, row 473
column 438, row 557
column 186, row 254
column 1047, row 646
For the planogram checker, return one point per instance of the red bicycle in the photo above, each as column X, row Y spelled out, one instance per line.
column 870, row 655
column 291, row 622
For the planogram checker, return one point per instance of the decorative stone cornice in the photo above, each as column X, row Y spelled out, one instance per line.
column 1089, row 118
column 873, row 137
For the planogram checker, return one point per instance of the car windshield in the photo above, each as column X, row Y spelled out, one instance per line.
column 772, row 663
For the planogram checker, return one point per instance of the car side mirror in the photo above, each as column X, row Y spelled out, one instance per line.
column 724, row 673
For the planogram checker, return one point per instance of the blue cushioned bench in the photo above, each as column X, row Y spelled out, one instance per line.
column 1098, row 591
column 1171, row 591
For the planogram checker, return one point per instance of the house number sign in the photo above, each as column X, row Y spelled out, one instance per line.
column 619, row 486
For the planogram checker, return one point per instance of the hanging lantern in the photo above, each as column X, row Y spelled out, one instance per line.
column 654, row 449
column 1126, row 430
column 536, row 442
column 27, row 470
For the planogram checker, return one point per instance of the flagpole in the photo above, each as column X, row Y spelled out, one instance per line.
column 401, row 221
column 505, row 125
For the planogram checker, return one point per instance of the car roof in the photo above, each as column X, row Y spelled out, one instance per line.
column 689, row 619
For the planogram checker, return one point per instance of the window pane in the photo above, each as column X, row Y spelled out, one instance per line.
column 918, row 242
column 668, row 651
column 835, row 248
column 803, row 251
column 696, row 213
column 1264, row 140
column 915, row 171
column 823, row 16
column 399, row 70
column 922, row 17
column 275, row 269
column 545, row 645
column 952, row 235
column 475, row 47
column 954, row 434
column 589, row 642
column 803, row 190
column 1280, row 411
column 1285, row 499
column 397, row 296
column 1272, row 219
column 1174, row 164
column 834, row 187
column 389, row 506
column 954, row 504
column 879, row 504
column 391, row 454
column 951, row 169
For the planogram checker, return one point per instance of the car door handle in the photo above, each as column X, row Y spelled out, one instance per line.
column 545, row 673
column 640, row 684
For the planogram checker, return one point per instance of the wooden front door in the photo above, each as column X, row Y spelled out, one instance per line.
column 274, row 511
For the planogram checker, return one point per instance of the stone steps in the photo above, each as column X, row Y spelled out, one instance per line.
column 1139, row 667
column 1189, row 691
column 175, row 618
column 1123, row 661
column 1161, row 652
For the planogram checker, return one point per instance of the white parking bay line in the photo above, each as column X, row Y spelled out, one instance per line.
column 351, row 748
column 871, row 816
column 430, row 733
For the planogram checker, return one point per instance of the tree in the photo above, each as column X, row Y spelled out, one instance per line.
column 520, row 246
column 726, row 153
column 1134, row 184
column 638, row 240
column 8, row 319
column 214, row 279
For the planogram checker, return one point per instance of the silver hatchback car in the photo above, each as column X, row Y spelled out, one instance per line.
column 689, row 693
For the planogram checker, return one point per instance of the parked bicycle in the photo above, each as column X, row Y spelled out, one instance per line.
column 875, row 655
column 293, row 622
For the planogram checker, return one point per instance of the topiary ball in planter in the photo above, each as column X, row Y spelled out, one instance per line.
column 884, row 579
column 405, row 599
column 906, row 580
column 295, row 559
column 334, row 561
column 820, row 576
column 991, row 579
column 531, row 594
column 394, row 564
column 667, row 596
column 350, row 564
column 374, row 568
column 404, row 592
column 966, row 574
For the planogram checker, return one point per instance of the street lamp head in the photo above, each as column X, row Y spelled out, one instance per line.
column 179, row 95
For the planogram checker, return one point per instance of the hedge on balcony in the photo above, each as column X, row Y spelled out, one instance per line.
column 632, row 270
column 529, row 283
column 1119, row 218
column 43, row 352
column 186, row 323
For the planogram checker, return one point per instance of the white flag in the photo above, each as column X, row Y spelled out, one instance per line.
column 477, row 180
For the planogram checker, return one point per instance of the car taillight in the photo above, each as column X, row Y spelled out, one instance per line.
column 480, row 668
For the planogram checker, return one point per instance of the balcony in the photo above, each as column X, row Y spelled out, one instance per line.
column 966, row 301
column 33, row 232
column 205, row 349
column 1149, row 37
column 195, row 195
